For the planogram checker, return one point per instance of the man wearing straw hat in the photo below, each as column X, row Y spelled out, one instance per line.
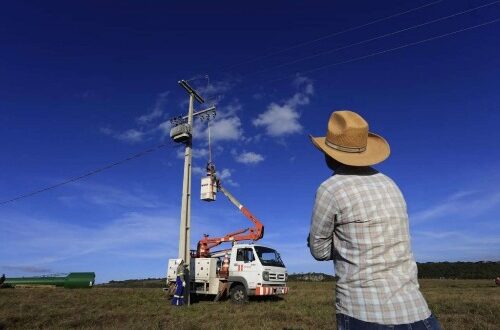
column 360, row 222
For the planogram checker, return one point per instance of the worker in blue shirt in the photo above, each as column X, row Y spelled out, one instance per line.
column 178, row 299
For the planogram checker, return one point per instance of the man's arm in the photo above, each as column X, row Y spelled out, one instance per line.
column 320, row 240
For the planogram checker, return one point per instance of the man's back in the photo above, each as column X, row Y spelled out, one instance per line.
column 371, row 247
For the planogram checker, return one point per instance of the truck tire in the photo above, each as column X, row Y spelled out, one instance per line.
column 238, row 294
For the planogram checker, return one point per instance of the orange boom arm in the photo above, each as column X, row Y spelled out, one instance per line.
column 253, row 233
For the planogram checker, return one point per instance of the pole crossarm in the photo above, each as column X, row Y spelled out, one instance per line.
column 206, row 114
column 191, row 90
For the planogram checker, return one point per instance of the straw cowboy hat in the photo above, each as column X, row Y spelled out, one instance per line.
column 349, row 142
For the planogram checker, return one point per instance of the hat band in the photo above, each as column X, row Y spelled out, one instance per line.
column 345, row 149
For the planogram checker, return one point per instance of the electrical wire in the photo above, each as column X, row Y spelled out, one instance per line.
column 209, row 144
column 258, row 58
column 389, row 50
column 153, row 149
column 88, row 174
column 330, row 51
column 199, row 76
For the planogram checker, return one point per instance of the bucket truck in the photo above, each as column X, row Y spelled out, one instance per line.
column 245, row 269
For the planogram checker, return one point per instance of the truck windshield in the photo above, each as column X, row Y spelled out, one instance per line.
column 269, row 257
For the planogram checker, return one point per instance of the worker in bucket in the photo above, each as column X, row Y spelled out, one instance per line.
column 180, row 282
column 360, row 222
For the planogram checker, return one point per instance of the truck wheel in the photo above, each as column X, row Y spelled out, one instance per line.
column 195, row 298
column 238, row 294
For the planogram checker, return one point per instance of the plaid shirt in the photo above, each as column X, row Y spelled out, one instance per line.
column 360, row 221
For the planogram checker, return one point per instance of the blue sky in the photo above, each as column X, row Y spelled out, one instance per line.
column 86, row 83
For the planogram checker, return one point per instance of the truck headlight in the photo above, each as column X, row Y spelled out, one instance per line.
column 265, row 275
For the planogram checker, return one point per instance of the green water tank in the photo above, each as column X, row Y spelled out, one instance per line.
column 72, row 280
column 79, row 280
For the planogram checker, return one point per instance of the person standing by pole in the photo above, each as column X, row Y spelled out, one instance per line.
column 180, row 283
column 360, row 222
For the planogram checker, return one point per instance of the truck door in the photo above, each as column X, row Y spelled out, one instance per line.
column 246, row 266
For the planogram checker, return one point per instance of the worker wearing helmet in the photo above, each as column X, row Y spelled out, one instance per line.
column 360, row 222
column 180, row 282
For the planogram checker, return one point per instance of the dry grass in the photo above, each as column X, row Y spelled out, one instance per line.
column 459, row 304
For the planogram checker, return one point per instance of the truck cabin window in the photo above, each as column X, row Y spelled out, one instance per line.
column 269, row 257
column 245, row 255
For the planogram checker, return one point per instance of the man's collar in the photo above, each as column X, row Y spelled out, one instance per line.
column 355, row 170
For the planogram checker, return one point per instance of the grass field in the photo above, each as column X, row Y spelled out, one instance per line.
column 459, row 304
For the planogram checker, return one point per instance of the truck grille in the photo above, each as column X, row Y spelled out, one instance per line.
column 276, row 277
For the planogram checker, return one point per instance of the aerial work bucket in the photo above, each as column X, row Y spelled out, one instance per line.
column 208, row 189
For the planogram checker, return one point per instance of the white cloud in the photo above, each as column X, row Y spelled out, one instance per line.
column 282, row 119
column 230, row 109
column 157, row 112
column 164, row 128
column 117, row 247
column 27, row 268
column 49, row 243
column 226, row 126
column 279, row 120
column 108, row 196
column 225, row 175
column 197, row 153
column 146, row 118
column 258, row 96
column 226, row 129
column 249, row 157
column 197, row 170
column 106, row 130
column 455, row 245
column 146, row 128
column 214, row 88
column 131, row 135
column 462, row 203
column 304, row 82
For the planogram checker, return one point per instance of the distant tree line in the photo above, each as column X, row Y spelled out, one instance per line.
column 311, row 277
column 459, row 270
column 449, row 270
column 136, row 283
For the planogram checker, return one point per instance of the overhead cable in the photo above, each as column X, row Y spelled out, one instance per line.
column 88, row 174
column 258, row 58
column 372, row 39
column 391, row 49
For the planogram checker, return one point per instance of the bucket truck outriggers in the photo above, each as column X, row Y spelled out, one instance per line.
column 246, row 269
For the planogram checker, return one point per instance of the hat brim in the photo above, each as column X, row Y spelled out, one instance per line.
column 377, row 150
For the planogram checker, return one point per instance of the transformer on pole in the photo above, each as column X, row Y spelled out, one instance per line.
column 182, row 132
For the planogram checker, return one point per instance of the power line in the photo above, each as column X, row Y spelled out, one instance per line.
column 391, row 49
column 372, row 39
column 88, row 174
column 153, row 149
column 258, row 58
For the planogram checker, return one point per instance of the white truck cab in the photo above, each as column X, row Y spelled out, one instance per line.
column 254, row 270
